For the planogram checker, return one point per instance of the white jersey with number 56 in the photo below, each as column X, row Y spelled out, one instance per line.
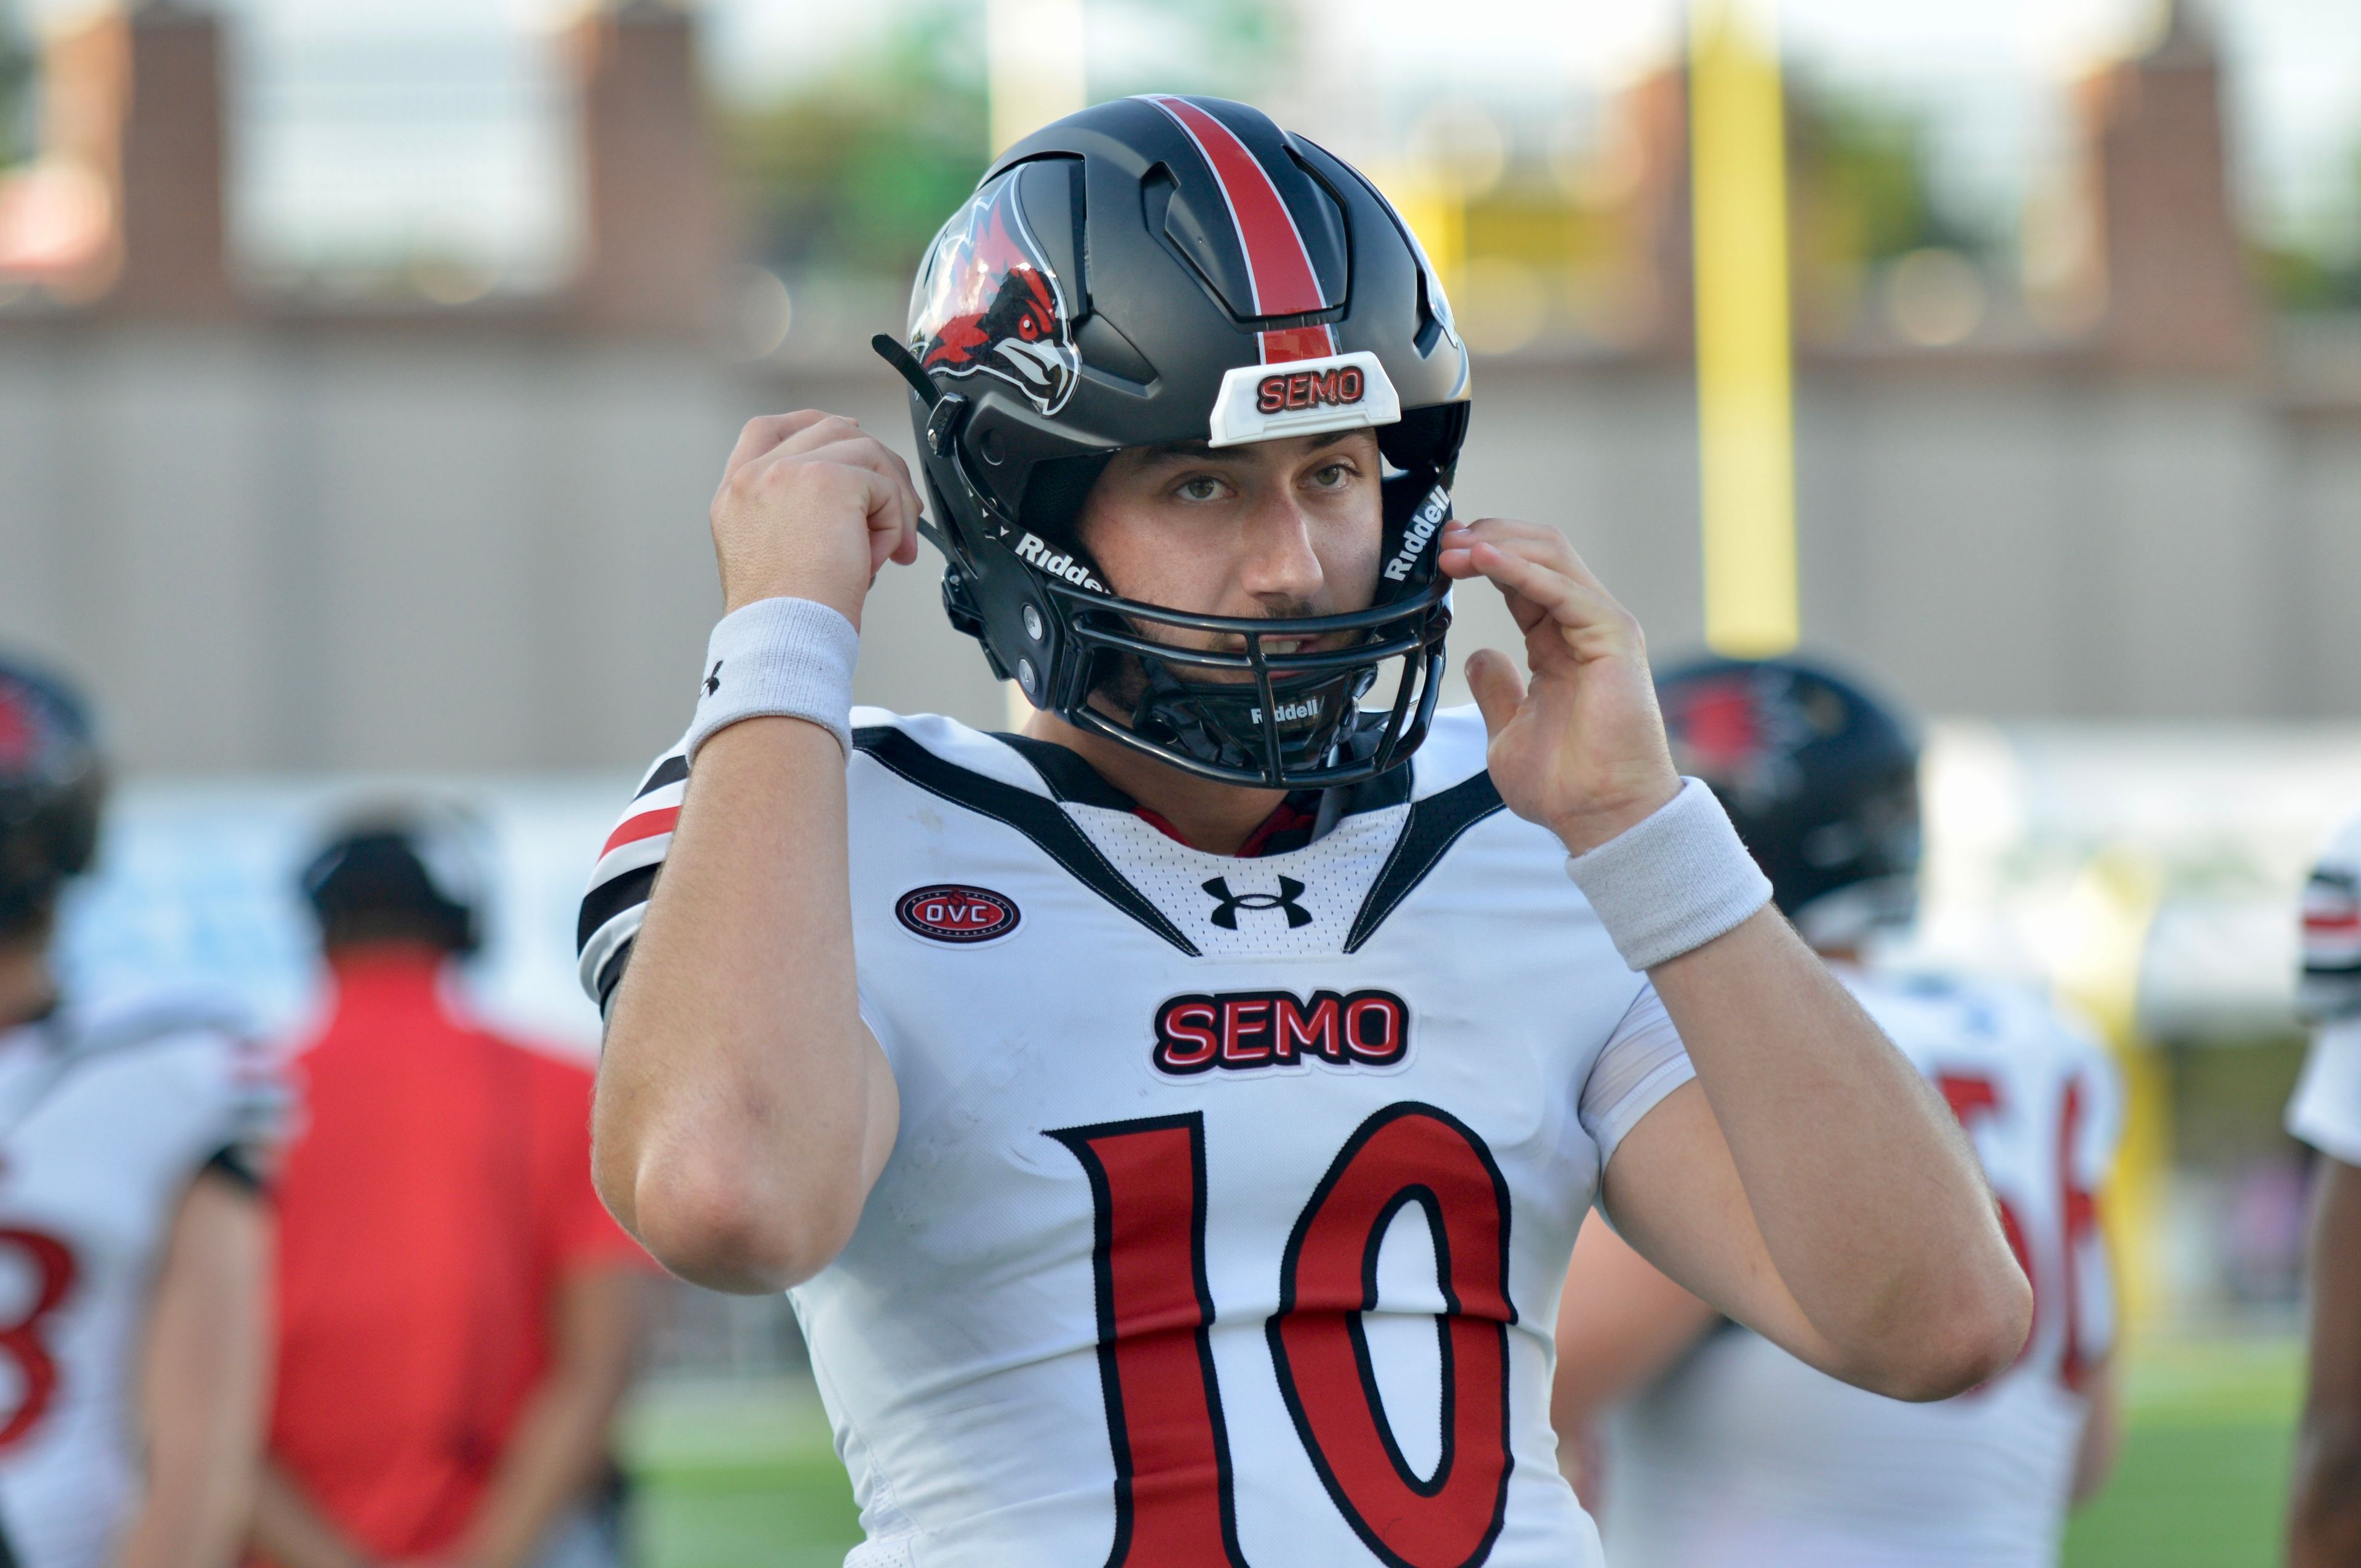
column 1743, row 1455
column 1231, row 1196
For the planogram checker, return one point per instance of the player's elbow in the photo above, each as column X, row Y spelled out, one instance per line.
column 1968, row 1337
column 707, row 1221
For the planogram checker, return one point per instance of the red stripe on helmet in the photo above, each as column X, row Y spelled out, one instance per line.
column 1278, row 265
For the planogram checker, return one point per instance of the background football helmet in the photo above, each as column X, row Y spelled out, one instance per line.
column 53, row 783
column 1820, row 778
column 1158, row 269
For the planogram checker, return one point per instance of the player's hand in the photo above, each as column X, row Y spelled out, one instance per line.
column 812, row 507
column 1582, row 750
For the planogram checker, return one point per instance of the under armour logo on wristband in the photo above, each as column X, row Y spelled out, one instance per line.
column 1228, row 904
column 713, row 681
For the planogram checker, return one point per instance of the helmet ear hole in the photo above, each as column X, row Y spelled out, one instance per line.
column 1054, row 494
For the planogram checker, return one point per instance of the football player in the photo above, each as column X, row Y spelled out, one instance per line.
column 134, row 1243
column 2324, row 1521
column 1729, row 1450
column 1173, row 1122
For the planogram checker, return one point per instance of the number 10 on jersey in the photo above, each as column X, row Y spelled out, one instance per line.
column 1175, row 1506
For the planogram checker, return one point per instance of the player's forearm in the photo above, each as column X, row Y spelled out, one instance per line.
column 2325, row 1509
column 202, row 1375
column 1867, row 1199
column 2095, row 1451
column 738, row 1101
column 2324, row 1512
column 287, row 1531
column 558, row 1447
column 560, row 1443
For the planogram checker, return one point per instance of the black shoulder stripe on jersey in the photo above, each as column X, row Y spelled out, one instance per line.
column 1067, row 776
column 671, row 771
column 1434, row 825
column 610, row 898
column 235, row 1165
column 1038, row 819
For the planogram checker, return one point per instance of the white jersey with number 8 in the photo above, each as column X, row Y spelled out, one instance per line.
column 106, row 1115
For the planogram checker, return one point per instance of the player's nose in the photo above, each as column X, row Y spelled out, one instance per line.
column 1277, row 562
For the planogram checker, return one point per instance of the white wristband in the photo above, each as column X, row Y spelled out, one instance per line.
column 779, row 657
column 1672, row 881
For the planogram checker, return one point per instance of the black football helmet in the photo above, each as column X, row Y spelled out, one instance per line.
column 53, row 783
column 1820, row 778
column 1164, row 269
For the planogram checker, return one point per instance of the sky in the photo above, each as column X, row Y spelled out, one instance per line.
column 452, row 108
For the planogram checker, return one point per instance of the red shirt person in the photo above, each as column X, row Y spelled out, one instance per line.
column 457, row 1314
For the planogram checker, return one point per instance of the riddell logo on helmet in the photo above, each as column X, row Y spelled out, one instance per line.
column 1425, row 524
column 1311, row 390
column 1034, row 552
column 1288, row 712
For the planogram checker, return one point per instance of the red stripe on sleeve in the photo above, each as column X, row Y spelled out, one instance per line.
column 646, row 825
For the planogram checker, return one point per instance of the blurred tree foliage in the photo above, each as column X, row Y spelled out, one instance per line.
column 2323, row 273
column 853, row 173
column 1867, row 194
column 17, row 67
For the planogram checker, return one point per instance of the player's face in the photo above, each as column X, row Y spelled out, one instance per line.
column 1276, row 528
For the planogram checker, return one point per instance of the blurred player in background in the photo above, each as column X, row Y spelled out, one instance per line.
column 133, row 1239
column 2324, row 1521
column 458, row 1315
column 1725, row 1450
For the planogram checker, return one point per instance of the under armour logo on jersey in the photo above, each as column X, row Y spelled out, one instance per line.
column 1228, row 904
column 713, row 680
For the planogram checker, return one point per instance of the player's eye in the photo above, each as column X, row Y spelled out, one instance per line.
column 1199, row 488
column 1334, row 476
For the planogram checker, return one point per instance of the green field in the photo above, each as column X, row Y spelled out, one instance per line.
column 737, row 1476
column 2204, row 1470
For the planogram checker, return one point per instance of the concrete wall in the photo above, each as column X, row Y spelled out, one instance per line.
column 446, row 543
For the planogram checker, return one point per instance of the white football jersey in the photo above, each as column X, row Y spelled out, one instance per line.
column 2326, row 1109
column 106, row 1115
column 1742, row 1454
column 1231, row 1196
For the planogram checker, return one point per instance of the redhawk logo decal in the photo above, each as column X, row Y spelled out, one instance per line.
column 1739, row 733
column 988, row 301
column 1238, row 1030
column 952, row 911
